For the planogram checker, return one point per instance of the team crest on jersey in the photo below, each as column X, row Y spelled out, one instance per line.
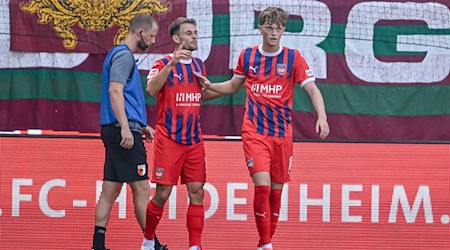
column 159, row 172
column 141, row 169
column 281, row 69
column 250, row 163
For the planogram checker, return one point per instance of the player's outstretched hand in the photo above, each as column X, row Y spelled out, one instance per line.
column 323, row 128
column 149, row 133
column 206, row 84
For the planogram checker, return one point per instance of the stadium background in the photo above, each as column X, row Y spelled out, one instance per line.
column 380, row 181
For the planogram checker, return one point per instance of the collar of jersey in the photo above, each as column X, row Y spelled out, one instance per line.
column 269, row 54
column 183, row 61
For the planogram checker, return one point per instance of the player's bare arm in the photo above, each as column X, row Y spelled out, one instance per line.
column 155, row 84
column 318, row 103
column 118, row 106
column 215, row 90
column 209, row 94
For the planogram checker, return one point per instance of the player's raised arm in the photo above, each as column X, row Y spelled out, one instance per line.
column 319, row 106
column 156, row 82
column 215, row 90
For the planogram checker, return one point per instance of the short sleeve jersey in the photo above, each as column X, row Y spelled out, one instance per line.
column 179, row 100
column 269, row 81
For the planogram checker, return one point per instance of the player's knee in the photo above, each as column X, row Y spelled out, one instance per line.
column 109, row 194
column 196, row 195
column 161, row 195
column 140, row 189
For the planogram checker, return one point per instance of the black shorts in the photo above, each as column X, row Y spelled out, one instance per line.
column 123, row 165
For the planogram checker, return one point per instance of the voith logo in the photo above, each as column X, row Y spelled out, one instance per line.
column 188, row 97
column 265, row 88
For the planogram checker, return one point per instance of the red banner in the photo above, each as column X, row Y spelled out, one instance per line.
column 50, row 27
column 342, row 196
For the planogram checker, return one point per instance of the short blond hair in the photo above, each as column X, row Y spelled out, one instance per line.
column 273, row 15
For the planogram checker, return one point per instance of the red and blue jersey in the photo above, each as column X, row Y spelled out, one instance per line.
column 269, row 81
column 179, row 100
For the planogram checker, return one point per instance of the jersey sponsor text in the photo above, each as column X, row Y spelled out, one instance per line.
column 266, row 88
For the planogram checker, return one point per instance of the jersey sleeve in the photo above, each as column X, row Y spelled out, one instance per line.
column 239, row 71
column 302, row 73
column 157, row 66
column 204, row 69
column 200, row 64
column 122, row 66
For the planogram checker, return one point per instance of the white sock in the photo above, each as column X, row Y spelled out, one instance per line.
column 267, row 246
column 148, row 243
column 194, row 248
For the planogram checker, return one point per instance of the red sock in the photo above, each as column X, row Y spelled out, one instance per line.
column 275, row 204
column 194, row 222
column 261, row 208
column 153, row 216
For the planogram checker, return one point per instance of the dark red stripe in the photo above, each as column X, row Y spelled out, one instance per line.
column 227, row 120
column 409, row 58
column 218, row 60
column 340, row 9
column 343, row 127
column 220, row 7
column 50, row 115
column 222, row 119
column 379, row 128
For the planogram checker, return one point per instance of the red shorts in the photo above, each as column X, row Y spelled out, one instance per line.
column 172, row 160
column 264, row 153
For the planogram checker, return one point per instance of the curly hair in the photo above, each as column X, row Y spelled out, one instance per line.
column 273, row 15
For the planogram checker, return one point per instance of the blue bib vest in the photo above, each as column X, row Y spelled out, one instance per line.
column 133, row 93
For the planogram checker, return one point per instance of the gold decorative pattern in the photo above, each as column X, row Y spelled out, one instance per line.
column 93, row 15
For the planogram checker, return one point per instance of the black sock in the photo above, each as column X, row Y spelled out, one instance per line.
column 98, row 242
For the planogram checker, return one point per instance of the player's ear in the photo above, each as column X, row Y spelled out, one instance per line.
column 176, row 39
column 139, row 32
column 260, row 29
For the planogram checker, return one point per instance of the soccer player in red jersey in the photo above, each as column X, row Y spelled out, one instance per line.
column 178, row 144
column 269, row 72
